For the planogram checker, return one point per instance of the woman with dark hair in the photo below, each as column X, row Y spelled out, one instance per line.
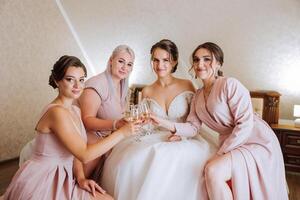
column 153, row 167
column 249, row 154
column 102, row 105
column 60, row 141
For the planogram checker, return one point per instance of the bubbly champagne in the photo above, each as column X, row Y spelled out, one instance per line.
column 129, row 119
column 146, row 115
column 135, row 118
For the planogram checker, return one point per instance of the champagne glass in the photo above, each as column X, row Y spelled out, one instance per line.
column 136, row 115
column 146, row 115
column 128, row 114
column 136, row 112
column 146, row 110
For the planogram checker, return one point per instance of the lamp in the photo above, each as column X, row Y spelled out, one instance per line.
column 297, row 114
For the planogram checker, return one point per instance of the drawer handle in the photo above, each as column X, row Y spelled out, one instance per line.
column 298, row 141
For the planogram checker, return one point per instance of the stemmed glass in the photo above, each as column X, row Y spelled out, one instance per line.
column 137, row 112
column 146, row 116
column 132, row 114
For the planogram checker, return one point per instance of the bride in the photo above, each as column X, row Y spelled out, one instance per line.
column 155, row 167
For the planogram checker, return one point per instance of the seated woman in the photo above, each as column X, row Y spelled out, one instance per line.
column 103, row 102
column 250, row 154
column 154, row 168
column 48, row 174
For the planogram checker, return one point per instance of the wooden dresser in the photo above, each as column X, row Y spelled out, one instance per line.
column 289, row 138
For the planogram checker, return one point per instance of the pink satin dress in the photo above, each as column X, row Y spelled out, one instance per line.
column 48, row 174
column 257, row 161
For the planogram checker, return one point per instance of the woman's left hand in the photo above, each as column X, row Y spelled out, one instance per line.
column 162, row 122
column 90, row 186
column 156, row 120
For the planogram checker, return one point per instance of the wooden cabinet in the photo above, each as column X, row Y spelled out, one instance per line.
column 289, row 138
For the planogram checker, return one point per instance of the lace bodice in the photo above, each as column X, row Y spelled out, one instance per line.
column 178, row 109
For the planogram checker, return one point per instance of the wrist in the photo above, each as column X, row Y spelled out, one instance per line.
column 119, row 135
column 79, row 180
column 114, row 125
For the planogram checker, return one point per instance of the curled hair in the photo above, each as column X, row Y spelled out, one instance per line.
column 215, row 50
column 169, row 47
column 60, row 67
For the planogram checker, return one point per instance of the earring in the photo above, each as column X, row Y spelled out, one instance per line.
column 215, row 72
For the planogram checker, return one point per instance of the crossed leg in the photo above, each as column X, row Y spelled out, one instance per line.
column 217, row 173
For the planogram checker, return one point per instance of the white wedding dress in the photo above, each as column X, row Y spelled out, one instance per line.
column 155, row 169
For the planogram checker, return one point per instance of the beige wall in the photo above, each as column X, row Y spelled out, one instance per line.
column 260, row 38
column 33, row 35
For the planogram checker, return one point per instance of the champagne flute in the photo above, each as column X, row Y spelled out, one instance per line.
column 136, row 115
column 127, row 114
column 146, row 116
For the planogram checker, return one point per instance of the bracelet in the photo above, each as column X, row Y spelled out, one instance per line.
column 173, row 132
column 114, row 126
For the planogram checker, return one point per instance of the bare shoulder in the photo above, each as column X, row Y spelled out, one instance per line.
column 53, row 116
column 77, row 109
column 57, row 112
column 186, row 84
column 89, row 99
column 89, row 93
column 147, row 90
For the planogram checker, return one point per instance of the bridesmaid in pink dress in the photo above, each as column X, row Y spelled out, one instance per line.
column 249, row 154
column 48, row 174
column 103, row 102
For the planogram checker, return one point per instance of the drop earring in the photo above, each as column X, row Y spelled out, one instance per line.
column 216, row 75
column 216, row 72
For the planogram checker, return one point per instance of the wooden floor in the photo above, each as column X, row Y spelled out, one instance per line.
column 8, row 168
column 293, row 180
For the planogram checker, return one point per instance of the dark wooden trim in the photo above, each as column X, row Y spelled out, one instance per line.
column 271, row 100
column 8, row 160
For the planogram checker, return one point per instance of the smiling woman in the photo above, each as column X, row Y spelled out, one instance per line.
column 135, row 169
column 60, row 144
column 103, row 101
column 247, row 143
